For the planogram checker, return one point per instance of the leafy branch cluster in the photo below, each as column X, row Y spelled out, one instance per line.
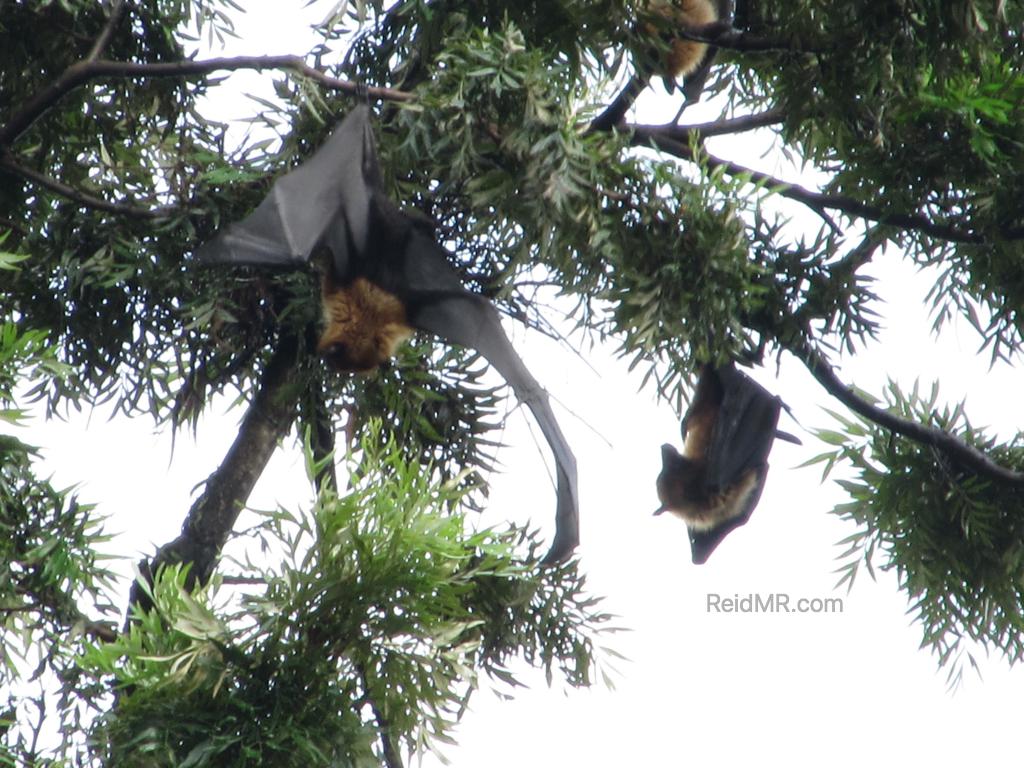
column 492, row 127
column 53, row 583
column 379, row 612
column 953, row 538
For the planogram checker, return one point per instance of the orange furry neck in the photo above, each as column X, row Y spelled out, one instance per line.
column 364, row 324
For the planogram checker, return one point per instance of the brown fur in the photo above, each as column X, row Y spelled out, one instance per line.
column 681, row 484
column 700, row 421
column 364, row 324
column 703, row 511
column 684, row 56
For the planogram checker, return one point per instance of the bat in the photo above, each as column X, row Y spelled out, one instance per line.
column 688, row 59
column 677, row 58
column 716, row 482
column 383, row 277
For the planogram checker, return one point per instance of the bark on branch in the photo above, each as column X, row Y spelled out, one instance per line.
column 103, row 40
column 724, row 35
column 656, row 136
column 682, row 133
column 967, row 455
column 212, row 517
column 391, row 754
column 84, row 71
column 10, row 165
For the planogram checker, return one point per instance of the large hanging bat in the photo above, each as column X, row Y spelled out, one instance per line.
column 384, row 276
column 716, row 482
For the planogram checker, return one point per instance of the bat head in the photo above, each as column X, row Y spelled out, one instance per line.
column 678, row 483
column 361, row 353
column 344, row 358
column 363, row 326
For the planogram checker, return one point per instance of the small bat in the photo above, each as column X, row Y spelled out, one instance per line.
column 689, row 59
column 676, row 57
column 716, row 482
column 384, row 276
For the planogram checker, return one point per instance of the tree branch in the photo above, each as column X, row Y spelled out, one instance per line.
column 48, row 606
column 719, row 34
column 83, row 71
column 116, row 11
column 726, row 36
column 966, row 454
column 100, row 630
column 392, row 757
column 682, row 133
column 817, row 201
column 9, row 164
column 315, row 417
column 212, row 517
column 616, row 111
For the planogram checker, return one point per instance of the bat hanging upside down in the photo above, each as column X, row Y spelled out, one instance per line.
column 716, row 482
column 687, row 59
column 383, row 278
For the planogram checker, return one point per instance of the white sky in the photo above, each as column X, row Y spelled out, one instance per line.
column 698, row 688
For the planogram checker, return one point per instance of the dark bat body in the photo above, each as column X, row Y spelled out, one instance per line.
column 385, row 276
column 716, row 482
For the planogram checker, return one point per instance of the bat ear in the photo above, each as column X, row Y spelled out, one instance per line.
column 669, row 455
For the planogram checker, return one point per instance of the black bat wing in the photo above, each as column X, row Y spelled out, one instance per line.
column 335, row 199
column 403, row 257
column 703, row 543
column 740, row 442
column 439, row 304
column 744, row 428
column 327, row 199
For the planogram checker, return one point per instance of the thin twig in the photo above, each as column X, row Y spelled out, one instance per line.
column 818, row 200
column 116, row 11
column 392, row 758
column 682, row 133
column 99, row 630
column 82, row 72
column 9, row 164
column 244, row 580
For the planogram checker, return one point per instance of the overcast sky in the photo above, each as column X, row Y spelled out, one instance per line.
column 699, row 687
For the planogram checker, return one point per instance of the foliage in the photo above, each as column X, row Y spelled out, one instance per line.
column 954, row 539
column 914, row 104
column 53, row 580
column 380, row 613
column 911, row 109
